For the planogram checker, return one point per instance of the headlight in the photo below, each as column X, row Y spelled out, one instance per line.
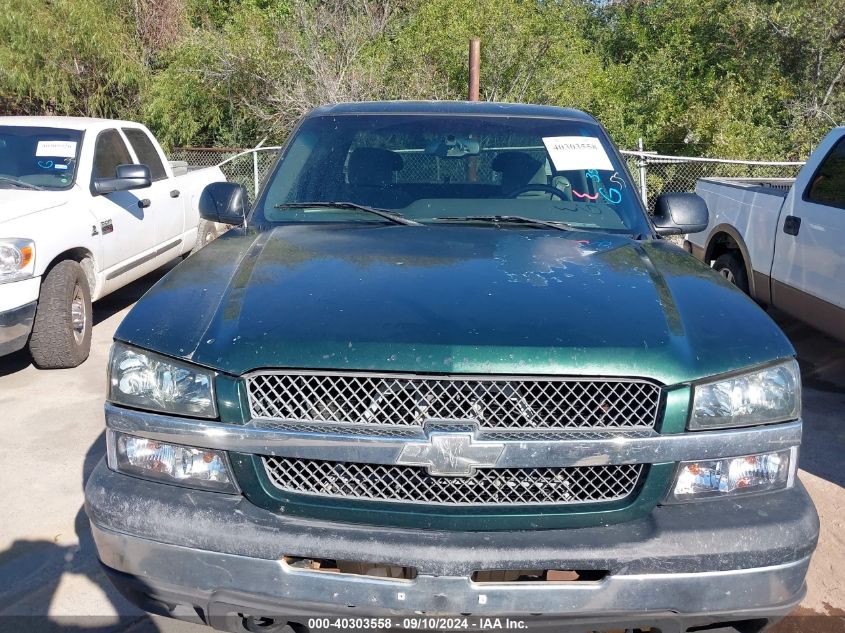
column 17, row 259
column 731, row 476
column 170, row 463
column 768, row 395
column 144, row 380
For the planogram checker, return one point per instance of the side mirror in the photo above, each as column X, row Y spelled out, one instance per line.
column 126, row 177
column 224, row 202
column 676, row 213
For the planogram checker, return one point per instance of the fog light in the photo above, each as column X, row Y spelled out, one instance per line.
column 734, row 475
column 170, row 463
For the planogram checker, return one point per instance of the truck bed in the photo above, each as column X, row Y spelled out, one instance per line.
column 784, row 234
column 772, row 186
column 748, row 210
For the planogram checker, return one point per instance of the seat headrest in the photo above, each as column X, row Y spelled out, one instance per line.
column 373, row 166
column 517, row 168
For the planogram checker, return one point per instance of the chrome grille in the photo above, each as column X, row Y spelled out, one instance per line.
column 413, row 484
column 492, row 403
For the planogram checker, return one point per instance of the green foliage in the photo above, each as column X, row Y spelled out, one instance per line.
column 531, row 51
column 68, row 57
column 208, row 85
column 740, row 78
column 725, row 77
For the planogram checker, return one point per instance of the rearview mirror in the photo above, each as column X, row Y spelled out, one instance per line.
column 224, row 202
column 451, row 146
column 676, row 213
column 126, row 177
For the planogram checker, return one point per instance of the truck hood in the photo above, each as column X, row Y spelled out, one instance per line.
column 16, row 203
column 454, row 299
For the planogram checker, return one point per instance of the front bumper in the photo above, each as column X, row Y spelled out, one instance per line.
column 693, row 563
column 18, row 300
column 15, row 328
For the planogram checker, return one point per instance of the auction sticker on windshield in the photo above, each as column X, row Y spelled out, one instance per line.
column 569, row 153
column 58, row 149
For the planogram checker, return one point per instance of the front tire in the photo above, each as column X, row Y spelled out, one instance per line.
column 731, row 267
column 61, row 333
column 207, row 232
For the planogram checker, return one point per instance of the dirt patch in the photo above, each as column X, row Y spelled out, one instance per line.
column 826, row 578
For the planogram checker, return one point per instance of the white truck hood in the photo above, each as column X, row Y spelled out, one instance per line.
column 16, row 203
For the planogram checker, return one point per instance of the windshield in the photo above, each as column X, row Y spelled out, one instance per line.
column 436, row 166
column 38, row 157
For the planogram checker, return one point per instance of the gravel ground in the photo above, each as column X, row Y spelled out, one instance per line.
column 51, row 425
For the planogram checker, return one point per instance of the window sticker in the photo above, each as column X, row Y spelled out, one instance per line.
column 56, row 149
column 612, row 195
column 615, row 179
column 569, row 153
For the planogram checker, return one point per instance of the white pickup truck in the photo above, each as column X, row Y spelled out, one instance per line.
column 86, row 206
column 783, row 240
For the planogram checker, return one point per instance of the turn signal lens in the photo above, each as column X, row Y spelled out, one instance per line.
column 27, row 255
column 714, row 478
column 170, row 463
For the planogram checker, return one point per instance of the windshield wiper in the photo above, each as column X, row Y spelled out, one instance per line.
column 514, row 219
column 21, row 183
column 394, row 217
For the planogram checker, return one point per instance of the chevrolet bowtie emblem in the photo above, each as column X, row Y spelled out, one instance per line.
column 451, row 454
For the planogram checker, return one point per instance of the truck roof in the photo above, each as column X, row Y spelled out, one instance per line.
column 483, row 108
column 68, row 122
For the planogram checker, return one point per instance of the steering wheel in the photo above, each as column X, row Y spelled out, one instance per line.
column 539, row 187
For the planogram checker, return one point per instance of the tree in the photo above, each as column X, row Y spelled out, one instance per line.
column 159, row 24
column 809, row 36
column 727, row 77
column 742, row 78
column 68, row 57
column 530, row 51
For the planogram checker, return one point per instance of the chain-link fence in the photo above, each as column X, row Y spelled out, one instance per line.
column 248, row 167
column 652, row 173
column 656, row 173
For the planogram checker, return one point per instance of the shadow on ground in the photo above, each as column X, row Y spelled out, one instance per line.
column 31, row 572
column 822, row 361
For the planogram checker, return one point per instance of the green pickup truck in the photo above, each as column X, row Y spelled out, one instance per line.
column 444, row 371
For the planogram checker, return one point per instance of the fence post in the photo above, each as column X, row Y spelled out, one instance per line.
column 641, row 163
column 255, row 171
column 474, row 68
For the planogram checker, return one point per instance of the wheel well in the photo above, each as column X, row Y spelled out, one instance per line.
column 720, row 244
column 84, row 258
column 724, row 242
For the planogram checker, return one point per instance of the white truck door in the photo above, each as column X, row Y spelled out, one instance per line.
column 164, row 198
column 127, row 227
column 810, row 242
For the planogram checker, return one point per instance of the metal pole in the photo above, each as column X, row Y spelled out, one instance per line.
column 474, row 68
column 641, row 163
column 255, row 170
column 255, row 179
column 473, row 93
